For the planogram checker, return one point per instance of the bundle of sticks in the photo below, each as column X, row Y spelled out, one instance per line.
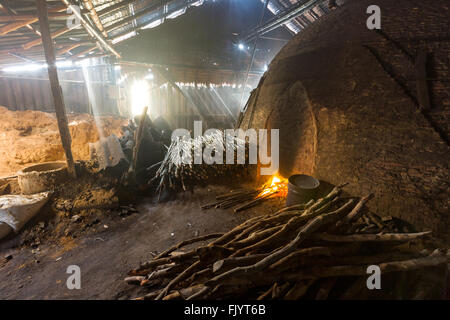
column 302, row 251
column 243, row 199
column 177, row 172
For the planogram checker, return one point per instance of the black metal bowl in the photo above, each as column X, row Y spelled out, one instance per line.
column 301, row 189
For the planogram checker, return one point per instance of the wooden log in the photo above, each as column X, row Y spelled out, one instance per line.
column 150, row 283
column 254, row 238
column 134, row 280
column 165, row 272
column 176, row 295
column 56, row 88
column 370, row 237
column 296, row 207
column 223, row 265
column 356, row 212
column 188, row 242
column 149, row 296
column 245, row 233
column 201, row 275
column 235, row 231
column 199, row 294
column 375, row 219
column 148, row 266
column 186, row 293
column 186, row 273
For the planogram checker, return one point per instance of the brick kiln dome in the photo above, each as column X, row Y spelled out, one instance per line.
column 346, row 103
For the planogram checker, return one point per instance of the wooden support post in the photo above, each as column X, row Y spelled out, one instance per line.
column 138, row 137
column 55, row 87
column 423, row 96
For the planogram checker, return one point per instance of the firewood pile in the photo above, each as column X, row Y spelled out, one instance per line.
column 178, row 171
column 302, row 251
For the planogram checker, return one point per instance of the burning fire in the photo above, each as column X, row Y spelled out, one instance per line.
column 276, row 187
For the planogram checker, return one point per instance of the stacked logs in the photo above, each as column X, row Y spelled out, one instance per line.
column 297, row 252
column 178, row 171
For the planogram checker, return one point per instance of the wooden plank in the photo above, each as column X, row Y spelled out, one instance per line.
column 55, row 87
column 38, row 41
column 16, row 25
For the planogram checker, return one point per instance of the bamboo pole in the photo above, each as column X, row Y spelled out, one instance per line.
column 55, row 87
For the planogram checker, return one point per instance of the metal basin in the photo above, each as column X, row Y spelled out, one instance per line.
column 301, row 189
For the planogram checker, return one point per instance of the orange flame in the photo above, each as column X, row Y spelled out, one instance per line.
column 277, row 187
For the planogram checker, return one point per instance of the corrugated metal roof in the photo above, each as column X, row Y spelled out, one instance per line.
column 118, row 18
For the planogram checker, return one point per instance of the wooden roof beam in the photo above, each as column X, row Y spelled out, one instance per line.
column 91, row 30
column 94, row 16
column 16, row 25
column 67, row 49
column 37, row 42
column 17, row 18
column 8, row 11
column 84, row 52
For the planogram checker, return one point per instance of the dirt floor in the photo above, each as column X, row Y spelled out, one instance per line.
column 110, row 246
column 28, row 137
